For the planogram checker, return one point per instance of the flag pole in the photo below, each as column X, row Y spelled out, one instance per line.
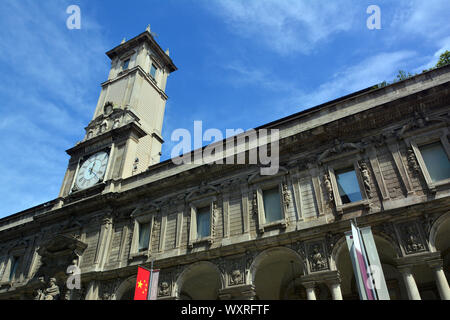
column 151, row 279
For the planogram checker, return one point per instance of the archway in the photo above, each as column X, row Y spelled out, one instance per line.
column 273, row 273
column 199, row 281
column 440, row 240
column 125, row 291
column 387, row 253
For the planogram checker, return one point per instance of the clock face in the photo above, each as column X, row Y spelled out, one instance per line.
column 92, row 170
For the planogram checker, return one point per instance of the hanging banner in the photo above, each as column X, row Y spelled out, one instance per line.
column 366, row 264
column 153, row 293
column 142, row 284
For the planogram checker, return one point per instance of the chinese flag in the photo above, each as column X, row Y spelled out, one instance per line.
column 142, row 284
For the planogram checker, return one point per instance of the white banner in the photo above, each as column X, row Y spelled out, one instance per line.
column 154, row 278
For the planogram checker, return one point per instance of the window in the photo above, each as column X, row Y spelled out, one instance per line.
column 14, row 264
column 436, row 161
column 348, row 185
column 272, row 205
column 144, row 236
column 125, row 64
column 153, row 70
column 203, row 222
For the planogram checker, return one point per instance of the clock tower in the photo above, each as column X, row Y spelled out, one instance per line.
column 124, row 135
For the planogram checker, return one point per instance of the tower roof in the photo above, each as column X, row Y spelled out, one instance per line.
column 145, row 36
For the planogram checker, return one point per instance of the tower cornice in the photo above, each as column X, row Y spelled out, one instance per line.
column 132, row 43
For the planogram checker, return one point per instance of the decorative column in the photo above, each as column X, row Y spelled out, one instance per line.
column 310, row 290
column 441, row 280
column 335, row 288
column 410, row 283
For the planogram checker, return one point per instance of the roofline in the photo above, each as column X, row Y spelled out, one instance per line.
column 268, row 125
column 146, row 35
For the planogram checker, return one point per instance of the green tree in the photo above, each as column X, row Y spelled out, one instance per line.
column 444, row 59
column 402, row 75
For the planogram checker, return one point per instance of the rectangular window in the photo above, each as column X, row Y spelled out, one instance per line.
column 12, row 271
column 125, row 64
column 203, row 222
column 153, row 69
column 272, row 205
column 436, row 161
column 348, row 185
column 144, row 236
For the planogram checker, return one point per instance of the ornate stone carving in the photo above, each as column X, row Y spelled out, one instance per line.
column 328, row 187
column 215, row 214
column 112, row 118
column 338, row 148
column 164, row 289
column 366, row 177
column 255, row 203
column 411, row 238
column 286, row 195
column 166, row 280
column 108, row 289
column 331, row 240
column 317, row 258
column 412, row 162
column 249, row 257
column 49, row 293
column 236, row 277
column 427, row 222
column 419, row 121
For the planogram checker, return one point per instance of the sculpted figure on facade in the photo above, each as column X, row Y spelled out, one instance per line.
column 317, row 259
column 236, row 277
column 164, row 289
column 412, row 240
column 366, row 178
column 328, row 187
column 286, row 195
column 412, row 162
column 51, row 292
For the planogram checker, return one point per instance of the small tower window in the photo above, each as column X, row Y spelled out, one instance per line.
column 153, row 70
column 125, row 64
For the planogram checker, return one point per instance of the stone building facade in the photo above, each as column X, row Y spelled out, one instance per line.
column 119, row 207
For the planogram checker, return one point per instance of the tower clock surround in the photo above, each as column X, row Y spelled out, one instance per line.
column 127, row 121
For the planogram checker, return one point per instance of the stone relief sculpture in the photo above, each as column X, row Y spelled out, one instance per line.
column 255, row 203
column 328, row 187
column 236, row 277
column 366, row 177
column 50, row 293
column 317, row 259
column 164, row 289
column 286, row 195
column 338, row 148
column 412, row 240
column 412, row 162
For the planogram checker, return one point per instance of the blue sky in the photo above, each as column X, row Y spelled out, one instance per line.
column 241, row 64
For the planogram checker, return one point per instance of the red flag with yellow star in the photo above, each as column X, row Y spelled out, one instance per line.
column 142, row 284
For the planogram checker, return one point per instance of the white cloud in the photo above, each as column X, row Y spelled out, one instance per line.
column 368, row 72
column 287, row 26
column 48, row 90
column 428, row 19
